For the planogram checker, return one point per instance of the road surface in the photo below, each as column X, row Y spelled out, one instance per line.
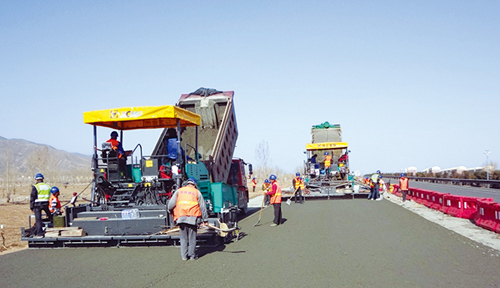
column 336, row 243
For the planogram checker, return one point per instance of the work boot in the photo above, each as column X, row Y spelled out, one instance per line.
column 274, row 224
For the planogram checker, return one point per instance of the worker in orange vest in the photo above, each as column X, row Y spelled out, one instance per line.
column 117, row 147
column 303, row 189
column 54, row 204
column 328, row 163
column 266, row 187
column 254, row 183
column 275, row 194
column 296, row 185
column 189, row 210
column 403, row 185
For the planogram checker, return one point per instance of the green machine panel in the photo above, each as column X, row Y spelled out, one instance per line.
column 199, row 172
column 223, row 195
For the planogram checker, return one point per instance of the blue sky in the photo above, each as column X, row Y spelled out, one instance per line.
column 413, row 83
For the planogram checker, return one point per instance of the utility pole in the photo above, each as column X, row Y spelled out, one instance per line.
column 487, row 153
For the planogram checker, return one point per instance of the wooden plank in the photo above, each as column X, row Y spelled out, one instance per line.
column 61, row 229
column 72, row 233
column 52, row 234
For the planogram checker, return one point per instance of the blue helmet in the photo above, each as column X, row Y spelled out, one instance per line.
column 191, row 181
column 378, row 171
column 297, row 174
column 272, row 177
column 54, row 190
column 266, row 181
column 39, row 176
column 326, row 153
column 403, row 174
column 114, row 134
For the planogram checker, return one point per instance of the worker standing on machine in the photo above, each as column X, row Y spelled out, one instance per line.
column 189, row 210
column 275, row 194
column 39, row 201
column 54, row 204
column 117, row 147
column 328, row 163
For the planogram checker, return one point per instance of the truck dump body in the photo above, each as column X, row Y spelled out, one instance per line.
column 218, row 132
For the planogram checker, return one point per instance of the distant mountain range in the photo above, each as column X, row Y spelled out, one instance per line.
column 25, row 157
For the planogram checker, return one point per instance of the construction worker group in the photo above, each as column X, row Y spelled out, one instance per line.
column 43, row 198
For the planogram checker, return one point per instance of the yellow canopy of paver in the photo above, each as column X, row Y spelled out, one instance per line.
column 146, row 117
column 326, row 146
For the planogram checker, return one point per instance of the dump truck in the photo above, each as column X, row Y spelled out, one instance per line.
column 326, row 147
column 129, row 197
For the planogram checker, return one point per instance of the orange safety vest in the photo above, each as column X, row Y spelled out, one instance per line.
column 328, row 161
column 114, row 146
column 187, row 203
column 276, row 197
column 254, row 183
column 296, row 181
column 403, row 183
column 302, row 184
column 265, row 187
column 54, row 204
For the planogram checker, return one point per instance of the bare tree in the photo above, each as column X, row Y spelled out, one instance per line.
column 11, row 175
column 262, row 154
column 263, row 169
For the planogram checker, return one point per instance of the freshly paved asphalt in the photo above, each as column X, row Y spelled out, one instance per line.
column 336, row 243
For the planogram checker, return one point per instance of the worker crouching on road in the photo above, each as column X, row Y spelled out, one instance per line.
column 54, row 204
column 275, row 194
column 189, row 210
column 39, row 201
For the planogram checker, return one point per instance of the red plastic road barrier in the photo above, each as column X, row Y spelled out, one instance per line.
column 462, row 206
column 417, row 195
column 421, row 196
column 452, row 205
column 411, row 193
column 396, row 190
column 488, row 215
column 437, row 200
column 470, row 206
column 428, row 198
